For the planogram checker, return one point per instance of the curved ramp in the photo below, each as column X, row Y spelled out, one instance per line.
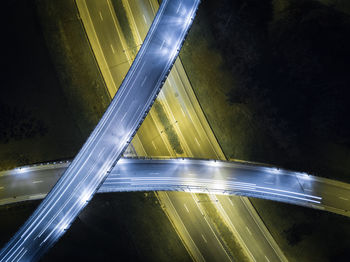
column 189, row 175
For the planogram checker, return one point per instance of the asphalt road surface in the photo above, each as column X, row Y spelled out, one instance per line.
column 189, row 175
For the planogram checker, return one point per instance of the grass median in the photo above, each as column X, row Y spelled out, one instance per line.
column 227, row 236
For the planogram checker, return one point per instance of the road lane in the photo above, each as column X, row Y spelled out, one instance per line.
column 180, row 174
column 249, row 233
column 206, row 240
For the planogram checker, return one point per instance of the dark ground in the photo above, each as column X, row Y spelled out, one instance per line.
column 306, row 234
column 291, row 70
column 33, row 109
column 120, row 227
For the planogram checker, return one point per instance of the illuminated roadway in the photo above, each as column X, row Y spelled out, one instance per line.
column 108, row 39
column 189, row 175
column 110, row 137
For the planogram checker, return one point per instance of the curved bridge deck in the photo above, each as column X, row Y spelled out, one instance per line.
column 189, row 175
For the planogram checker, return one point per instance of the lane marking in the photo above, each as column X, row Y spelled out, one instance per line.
column 230, row 201
column 197, row 141
column 144, row 18
column 112, row 48
column 343, row 198
column 186, row 208
column 22, row 255
column 183, row 112
column 101, row 15
column 268, row 260
column 178, row 9
column 154, row 145
column 144, row 80
column 249, row 231
column 196, row 200
column 204, row 239
column 124, row 116
column 161, row 46
column 37, row 181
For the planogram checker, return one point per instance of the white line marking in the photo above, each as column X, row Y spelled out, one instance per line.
column 22, row 255
column 204, row 239
column 38, row 181
column 154, row 145
column 197, row 141
column 124, row 116
column 178, row 9
column 161, row 46
column 112, row 48
column 343, row 198
column 248, row 231
column 144, row 18
column 230, row 201
column 196, row 200
column 101, row 15
column 143, row 81
column 183, row 112
column 186, row 208
column 268, row 260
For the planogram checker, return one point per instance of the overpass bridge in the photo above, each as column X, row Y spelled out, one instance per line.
column 189, row 175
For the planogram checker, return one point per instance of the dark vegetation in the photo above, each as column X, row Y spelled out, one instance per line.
column 291, row 69
column 306, row 234
column 18, row 123
column 120, row 12
column 120, row 227
column 230, row 241
column 78, row 73
column 168, row 128
column 35, row 124
column 12, row 217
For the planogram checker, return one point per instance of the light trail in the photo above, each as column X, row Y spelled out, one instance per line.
column 195, row 176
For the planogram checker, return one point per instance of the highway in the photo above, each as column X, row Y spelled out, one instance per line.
column 193, row 176
column 106, row 34
column 207, row 241
column 110, row 137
